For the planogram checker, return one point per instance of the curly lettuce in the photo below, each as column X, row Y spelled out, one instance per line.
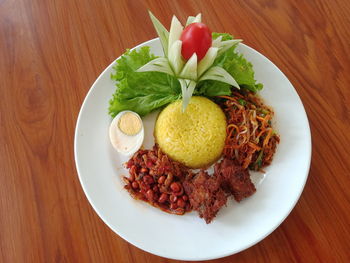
column 141, row 92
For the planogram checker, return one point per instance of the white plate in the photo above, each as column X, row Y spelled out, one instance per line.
column 237, row 226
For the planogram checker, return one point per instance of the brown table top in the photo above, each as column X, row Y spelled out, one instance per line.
column 52, row 51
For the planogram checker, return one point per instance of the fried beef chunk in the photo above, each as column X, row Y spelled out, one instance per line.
column 234, row 179
column 205, row 195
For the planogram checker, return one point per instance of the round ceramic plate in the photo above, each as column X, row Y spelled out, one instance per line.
column 238, row 225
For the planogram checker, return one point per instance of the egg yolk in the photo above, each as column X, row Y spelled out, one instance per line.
column 130, row 124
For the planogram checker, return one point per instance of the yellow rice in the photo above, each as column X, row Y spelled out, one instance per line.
column 196, row 137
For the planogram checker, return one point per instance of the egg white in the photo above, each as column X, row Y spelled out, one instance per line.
column 125, row 144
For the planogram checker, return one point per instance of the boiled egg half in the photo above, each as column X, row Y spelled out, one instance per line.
column 126, row 132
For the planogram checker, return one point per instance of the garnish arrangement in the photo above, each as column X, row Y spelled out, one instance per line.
column 210, row 115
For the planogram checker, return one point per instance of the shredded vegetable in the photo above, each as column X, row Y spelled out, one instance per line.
column 250, row 140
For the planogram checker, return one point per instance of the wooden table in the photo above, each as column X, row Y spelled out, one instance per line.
column 52, row 51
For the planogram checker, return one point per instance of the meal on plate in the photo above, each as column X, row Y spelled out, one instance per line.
column 212, row 128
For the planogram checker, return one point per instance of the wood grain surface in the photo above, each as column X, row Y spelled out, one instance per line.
column 52, row 51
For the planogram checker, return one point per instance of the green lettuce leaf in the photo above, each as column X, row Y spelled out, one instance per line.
column 212, row 88
column 225, row 36
column 141, row 92
column 240, row 69
column 235, row 64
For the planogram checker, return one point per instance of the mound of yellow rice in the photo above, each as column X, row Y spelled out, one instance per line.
column 196, row 137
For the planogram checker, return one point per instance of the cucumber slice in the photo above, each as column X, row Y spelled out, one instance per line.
column 207, row 61
column 198, row 18
column 190, row 20
column 216, row 42
column 159, row 64
column 175, row 31
column 187, row 88
column 189, row 71
column 194, row 19
column 225, row 45
column 163, row 34
column 219, row 74
column 175, row 58
column 183, row 85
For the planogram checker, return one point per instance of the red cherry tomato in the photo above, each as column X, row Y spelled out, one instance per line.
column 196, row 38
